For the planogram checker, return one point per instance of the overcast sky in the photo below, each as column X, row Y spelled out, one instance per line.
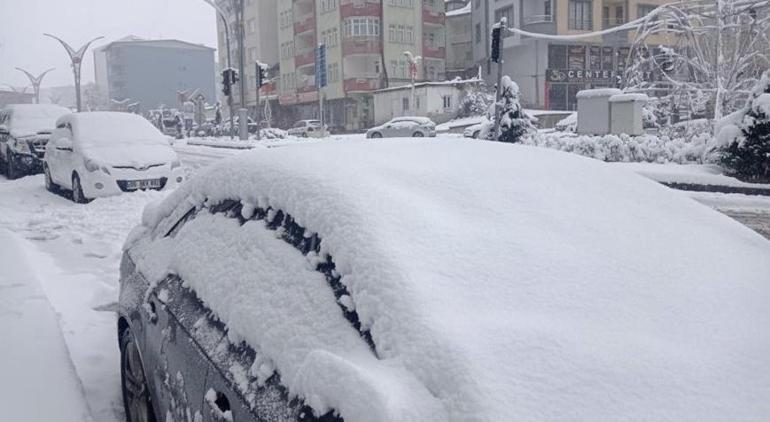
column 23, row 22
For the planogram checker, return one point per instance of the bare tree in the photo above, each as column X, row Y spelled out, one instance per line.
column 705, row 54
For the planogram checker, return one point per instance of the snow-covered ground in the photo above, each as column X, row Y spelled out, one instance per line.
column 75, row 252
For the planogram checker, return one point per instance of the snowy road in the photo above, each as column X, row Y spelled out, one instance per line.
column 76, row 253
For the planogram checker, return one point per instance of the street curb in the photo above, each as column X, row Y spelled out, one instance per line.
column 692, row 187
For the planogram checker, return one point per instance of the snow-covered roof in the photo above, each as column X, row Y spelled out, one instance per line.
column 465, row 10
column 627, row 98
column 599, row 92
column 166, row 43
column 494, row 287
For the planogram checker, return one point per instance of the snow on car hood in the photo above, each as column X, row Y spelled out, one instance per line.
column 131, row 155
column 513, row 283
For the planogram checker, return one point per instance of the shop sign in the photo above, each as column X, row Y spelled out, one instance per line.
column 588, row 75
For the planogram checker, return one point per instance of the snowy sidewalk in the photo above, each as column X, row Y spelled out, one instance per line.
column 38, row 381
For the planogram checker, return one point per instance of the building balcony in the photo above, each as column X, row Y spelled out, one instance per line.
column 431, row 17
column 608, row 23
column 361, row 84
column 433, row 52
column 304, row 24
column 358, row 8
column 361, row 45
column 304, row 59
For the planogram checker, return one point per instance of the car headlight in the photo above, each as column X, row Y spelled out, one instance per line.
column 93, row 166
column 176, row 164
column 23, row 147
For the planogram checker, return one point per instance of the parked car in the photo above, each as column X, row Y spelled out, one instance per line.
column 478, row 130
column 439, row 281
column 24, row 132
column 307, row 129
column 106, row 153
column 404, row 127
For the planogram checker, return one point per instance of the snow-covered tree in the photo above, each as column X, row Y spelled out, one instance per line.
column 476, row 102
column 514, row 123
column 744, row 137
column 706, row 54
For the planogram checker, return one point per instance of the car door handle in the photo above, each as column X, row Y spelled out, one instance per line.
column 219, row 406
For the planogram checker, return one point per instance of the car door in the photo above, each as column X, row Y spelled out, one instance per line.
column 5, row 121
column 63, row 155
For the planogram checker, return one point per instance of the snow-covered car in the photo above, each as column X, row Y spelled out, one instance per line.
column 24, row 132
column 404, row 127
column 440, row 281
column 101, row 154
column 476, row 131
column 307, row 129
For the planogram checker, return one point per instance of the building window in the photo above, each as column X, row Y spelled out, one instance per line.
column 580, row 15
column 405, row 104
column 362, row 27
column 447, row 99
column 328, row 5
column 643, row 10
column 478, row 33
column 547, row 8
column 401, row 3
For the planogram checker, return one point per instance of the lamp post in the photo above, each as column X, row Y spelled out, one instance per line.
column 35, row 81
column 224, row 17
column 413, row 61
column 76, row 56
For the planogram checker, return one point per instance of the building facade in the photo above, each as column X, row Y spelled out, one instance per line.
column 365, row 41
column 439, row 101
column 550, row 73
column 459, row 40
column 153, row 72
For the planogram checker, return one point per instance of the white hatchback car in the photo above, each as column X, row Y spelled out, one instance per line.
column 105, row 153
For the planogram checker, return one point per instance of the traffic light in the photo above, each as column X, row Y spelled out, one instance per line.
column 496, row 33
column 226, row 84
column 261, row 74
column 234, row 77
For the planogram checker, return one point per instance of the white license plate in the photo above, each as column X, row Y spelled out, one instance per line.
column 143, row 184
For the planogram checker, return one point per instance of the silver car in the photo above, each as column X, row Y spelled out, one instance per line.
column 308, row 129
column 404, row 127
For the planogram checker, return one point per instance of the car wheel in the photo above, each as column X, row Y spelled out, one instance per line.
column 376, row 135
column 476, row 134
column 10, row 167
column 50, row 186
column 418, row 135
column 304, row 134
column 133, row 382
column 77, row 191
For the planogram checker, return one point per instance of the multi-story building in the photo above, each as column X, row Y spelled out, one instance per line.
column 459, row 40
column 260, row 29
column 550, row 72
column 366, row 41
column 153, row 72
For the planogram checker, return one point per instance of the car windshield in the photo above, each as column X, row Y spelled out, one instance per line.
column 95, row 130
column 31, row 119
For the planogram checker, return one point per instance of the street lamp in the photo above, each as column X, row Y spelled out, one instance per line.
column 76, row 56
column 35, row 81
column 413, row 61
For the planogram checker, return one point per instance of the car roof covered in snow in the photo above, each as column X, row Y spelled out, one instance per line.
column 417, row 119
column 101, row 128
column 498, row 282
column 28, row 119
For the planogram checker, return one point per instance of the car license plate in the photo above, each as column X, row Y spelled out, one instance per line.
column 143, row 184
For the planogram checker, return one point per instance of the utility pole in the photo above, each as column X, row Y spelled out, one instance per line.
column 76, row 57
column 243, row 112
column 497, row 56
column 320, row 82
column 36, row 81
column 224, row 16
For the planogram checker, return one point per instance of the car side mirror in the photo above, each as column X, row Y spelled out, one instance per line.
column 64, row 144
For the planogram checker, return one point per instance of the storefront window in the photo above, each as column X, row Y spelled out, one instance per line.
column 595, row 57
column 577, row 57
column 607, row 53
column 557, row 97
column 557, row 56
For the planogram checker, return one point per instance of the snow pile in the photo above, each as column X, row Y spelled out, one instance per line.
column 568, row 124
column 624, row 148
column 630, row 97
column 498, row 282
column 599, row 92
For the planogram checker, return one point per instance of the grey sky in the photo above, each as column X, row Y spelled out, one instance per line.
column 22, row 23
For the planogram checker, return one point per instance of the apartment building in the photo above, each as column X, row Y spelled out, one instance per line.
column 550, row 73
column 459, row 40
column 152, row 72
column 365, row 41
column 260, row 28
